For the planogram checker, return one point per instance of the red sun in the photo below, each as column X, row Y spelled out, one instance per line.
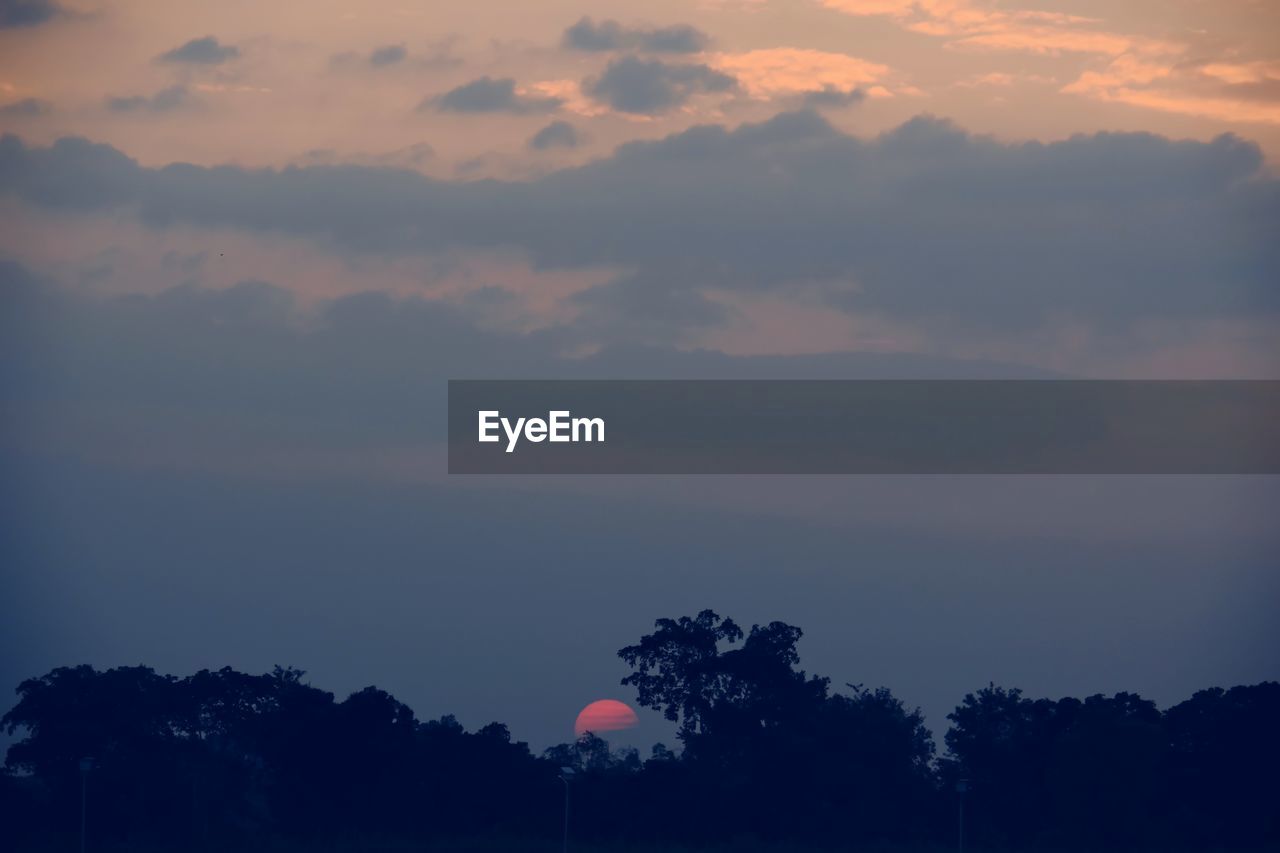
column 604, row 715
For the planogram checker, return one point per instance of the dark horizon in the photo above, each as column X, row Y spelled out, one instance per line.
column 774, row 754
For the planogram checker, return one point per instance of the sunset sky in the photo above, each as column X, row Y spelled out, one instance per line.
column 945, row 98
column 242, row 244
column 280, row 84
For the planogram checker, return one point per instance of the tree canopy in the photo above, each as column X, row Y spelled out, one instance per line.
column 767, row 751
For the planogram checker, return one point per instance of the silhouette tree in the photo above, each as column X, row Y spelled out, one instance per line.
column 774, row 752
column 677, row 667
column 1061, row 773
column 680, row 670
column 123, row 720
column 227, row 759
column 1224, row 766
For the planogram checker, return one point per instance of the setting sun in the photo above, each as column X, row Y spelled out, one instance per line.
column 604, row 715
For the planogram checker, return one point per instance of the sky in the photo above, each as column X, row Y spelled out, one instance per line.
column 243, row 245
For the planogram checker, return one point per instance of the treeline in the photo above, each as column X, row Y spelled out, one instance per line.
column 235, row 761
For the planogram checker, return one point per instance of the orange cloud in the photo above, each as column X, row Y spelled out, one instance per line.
column 1024, row 38
column 1238, row 74
column 1220, row 109
column 570, row 93
column 1205, row 91
column 892, row 8
column 1141, row 71
column 974, row 25
column 994, row 78
column 788, row 70
column 1123, row 71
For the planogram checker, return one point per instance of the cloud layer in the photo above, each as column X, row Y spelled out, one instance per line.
column 649, row 86
column 163, row 101
column 27, row 108
column 490, row 95
column 201, row 51
column 558, row 134
column 391, row 54
column 925, row 223
column 931, row 232
column 26, row 13
column 609, row 35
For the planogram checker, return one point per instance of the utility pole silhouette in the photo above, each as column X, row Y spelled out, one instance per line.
column 565, row 773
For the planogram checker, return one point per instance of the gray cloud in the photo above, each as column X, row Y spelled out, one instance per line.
column 558, row 134
column 27, row 13
column 27, row 108
column 830, row 96
column 607, row 35
column 408, row 157
column 201, row 51
column 388, row 55
column 645, row 308
column 232, row 349
column 648, row 86
column 195, row 374
column 489, row 95
column 923, row 223
column 435, row 55
column 163, row 101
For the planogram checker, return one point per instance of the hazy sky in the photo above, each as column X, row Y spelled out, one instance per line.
column 243, row 244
